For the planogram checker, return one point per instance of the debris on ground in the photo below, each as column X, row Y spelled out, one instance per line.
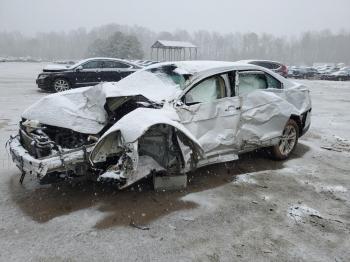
column 132, row 223
column 298, row 212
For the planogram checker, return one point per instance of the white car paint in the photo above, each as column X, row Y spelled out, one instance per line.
column 217, row 131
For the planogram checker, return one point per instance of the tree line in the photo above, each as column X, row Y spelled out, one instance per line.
column 134, row 42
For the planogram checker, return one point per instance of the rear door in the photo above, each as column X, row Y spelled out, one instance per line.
column 90, row 74
column 113, row 71
column 211, row 112
column 264, row 109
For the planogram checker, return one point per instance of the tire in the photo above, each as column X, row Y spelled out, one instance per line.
column 60, row 85
column 288, row 141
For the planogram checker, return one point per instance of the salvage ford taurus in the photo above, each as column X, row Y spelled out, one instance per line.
column 168, row 118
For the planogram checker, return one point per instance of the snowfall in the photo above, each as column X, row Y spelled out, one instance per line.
column 250, row 209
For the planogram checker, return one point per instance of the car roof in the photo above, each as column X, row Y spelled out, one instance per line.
column 104, row 58
column 201, row 68
column 195, row 67
column 248, row 61
column 140, row 82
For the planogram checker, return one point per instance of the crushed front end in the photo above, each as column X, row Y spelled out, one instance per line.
column 50, row 153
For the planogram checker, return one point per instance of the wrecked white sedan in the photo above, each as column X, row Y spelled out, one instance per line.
column 169, row 118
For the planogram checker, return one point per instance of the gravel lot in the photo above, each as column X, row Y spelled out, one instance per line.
column 252, row 209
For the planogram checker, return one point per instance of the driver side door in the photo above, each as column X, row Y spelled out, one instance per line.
column 89, row 74
column 211, row 112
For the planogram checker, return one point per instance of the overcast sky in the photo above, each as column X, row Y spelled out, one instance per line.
column 279, row 17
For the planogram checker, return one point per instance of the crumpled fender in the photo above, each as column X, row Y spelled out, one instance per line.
column 264, row 113
column 125, row 133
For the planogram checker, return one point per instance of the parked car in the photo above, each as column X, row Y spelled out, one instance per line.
column 167, row 118
column 276, row 67
column 326, row 71
column 304, row 72
column 87, row 72
column 341, row 75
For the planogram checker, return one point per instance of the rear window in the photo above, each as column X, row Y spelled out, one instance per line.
column 269, row 65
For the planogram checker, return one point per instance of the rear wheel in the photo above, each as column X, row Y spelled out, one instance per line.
column 288, row 141
column 61, row 84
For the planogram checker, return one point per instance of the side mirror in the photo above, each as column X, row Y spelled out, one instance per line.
column 79, row 68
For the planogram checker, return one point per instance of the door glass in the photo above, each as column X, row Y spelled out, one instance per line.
column 92, row 65
column 251, row 81
column 273, row 82
column 115, row 64
column 207, row 91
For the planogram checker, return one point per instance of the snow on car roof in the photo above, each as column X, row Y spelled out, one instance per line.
column 102, row 58
column 247, row 61
column 195, row 67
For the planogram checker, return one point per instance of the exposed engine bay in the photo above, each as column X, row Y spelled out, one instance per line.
column 43, row 140
column 159, row 144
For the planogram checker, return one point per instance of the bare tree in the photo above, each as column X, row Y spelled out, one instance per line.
column 307, row 48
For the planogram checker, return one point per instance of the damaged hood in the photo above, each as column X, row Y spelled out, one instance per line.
column 82, row 109
column 152, row 86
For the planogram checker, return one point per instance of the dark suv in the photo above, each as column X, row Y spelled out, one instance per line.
column 274, row 66
column 87, row 72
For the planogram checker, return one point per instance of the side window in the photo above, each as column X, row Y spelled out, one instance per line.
column 114, row 64
column 207, row 91
column 250, row 81
column 259, row 63
column 272, row 82
column 275, row 66
column 92, row 64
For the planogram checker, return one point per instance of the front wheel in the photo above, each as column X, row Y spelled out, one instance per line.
column 61, row 84
column 288, row 141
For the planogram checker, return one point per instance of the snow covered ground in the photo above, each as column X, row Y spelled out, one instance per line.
column 252, row 209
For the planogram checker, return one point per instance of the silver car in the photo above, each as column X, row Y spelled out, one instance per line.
column 168, row 118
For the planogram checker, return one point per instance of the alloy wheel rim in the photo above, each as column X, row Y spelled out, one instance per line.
column 61, row 85
column 288, row 140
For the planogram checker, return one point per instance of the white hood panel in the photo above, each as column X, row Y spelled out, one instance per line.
column 81, row 110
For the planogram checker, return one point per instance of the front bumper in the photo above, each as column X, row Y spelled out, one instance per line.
column 44, row 83
column 59, row 162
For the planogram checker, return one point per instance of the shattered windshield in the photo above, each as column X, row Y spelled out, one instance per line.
column 169, row 74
